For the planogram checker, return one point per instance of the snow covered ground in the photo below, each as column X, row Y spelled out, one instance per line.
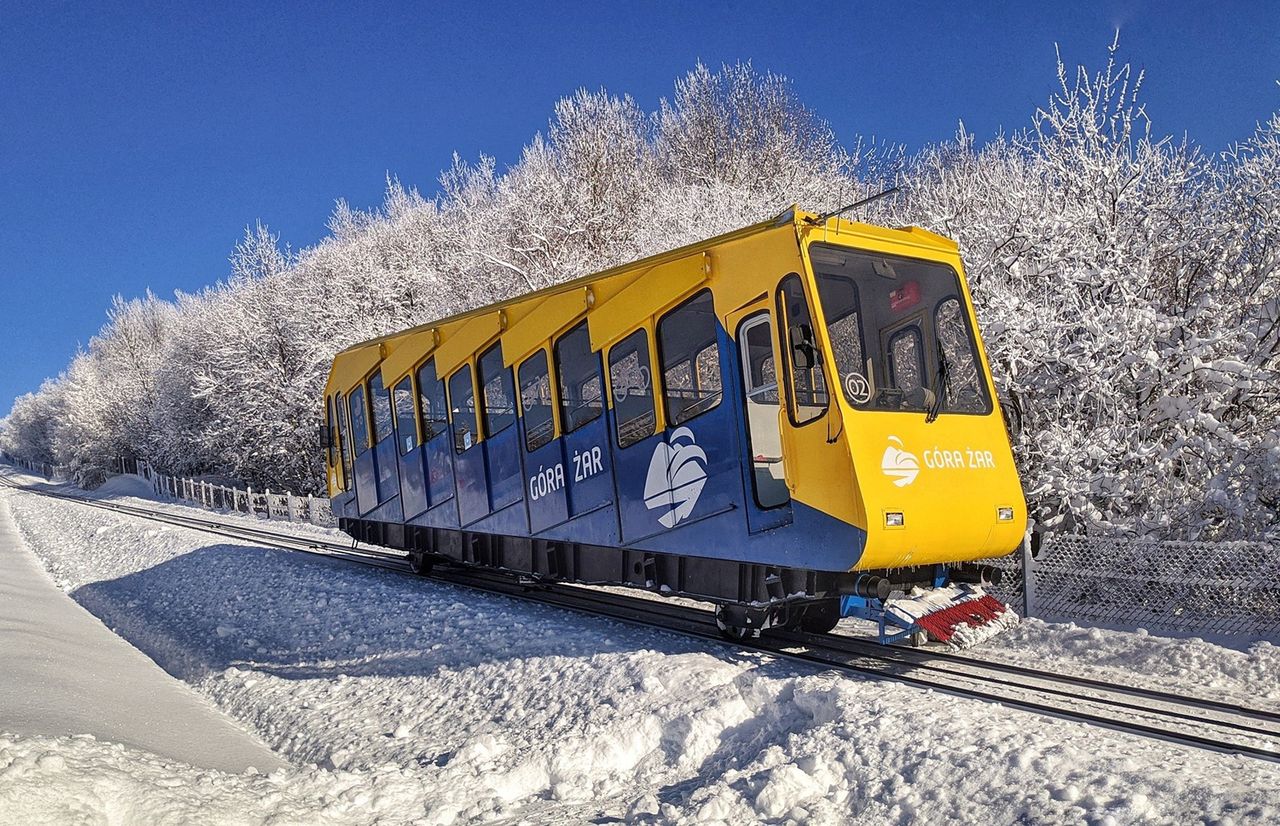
column 403, row 700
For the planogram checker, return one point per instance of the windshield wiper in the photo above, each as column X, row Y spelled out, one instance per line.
column 936, row 406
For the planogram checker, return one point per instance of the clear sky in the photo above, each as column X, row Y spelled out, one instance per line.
column 137, row 140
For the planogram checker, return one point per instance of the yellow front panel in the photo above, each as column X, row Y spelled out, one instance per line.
column 947, row 478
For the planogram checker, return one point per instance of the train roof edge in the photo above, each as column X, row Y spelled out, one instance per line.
column 361, row 358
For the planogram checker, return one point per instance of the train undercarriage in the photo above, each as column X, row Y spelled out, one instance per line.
column 947, row 603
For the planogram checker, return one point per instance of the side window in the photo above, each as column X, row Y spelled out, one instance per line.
column 906, row 354
column 431, row 403
column 690, row 358
column 581, row 386
column 806, row 380
column 962, row 389
column 462, row 400
column 359, row 421
column 344, row 441
column 535, row 401
column 406, row 427
column 631, row 381
column 381, row 400
column 499, row 392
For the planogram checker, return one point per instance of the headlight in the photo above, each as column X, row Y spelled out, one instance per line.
column 1004, row 514
column 893, row 519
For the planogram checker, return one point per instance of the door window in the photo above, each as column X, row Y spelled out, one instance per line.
column 499, row 392
column 631, row 382
column 406, row 428
column 535, row 401
column 806, row 380
column 434, row 413
column 760, row 386
column 462, row 400
column 381, row 400
column 578, row 368
column 690, row 357
column 359, row 421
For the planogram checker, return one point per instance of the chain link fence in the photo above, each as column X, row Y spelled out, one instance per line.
column 1218, row 588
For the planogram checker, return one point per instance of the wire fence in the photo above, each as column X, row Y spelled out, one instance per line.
column 1215, row 588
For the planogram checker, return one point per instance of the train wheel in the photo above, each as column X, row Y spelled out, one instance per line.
column 821, row 617
column 421, row 565
column 731, row 629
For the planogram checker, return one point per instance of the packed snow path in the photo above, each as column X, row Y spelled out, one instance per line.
column 63, row 673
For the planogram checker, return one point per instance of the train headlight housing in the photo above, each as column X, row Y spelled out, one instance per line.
column 1004, row 514
column 893, row 519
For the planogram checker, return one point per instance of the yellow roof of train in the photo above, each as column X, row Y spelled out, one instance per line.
column 367, row 354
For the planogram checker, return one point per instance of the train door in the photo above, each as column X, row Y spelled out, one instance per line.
column 437, row 444
column 768, row 500
column 469, row 464
column 501, row 444
column 366, row 472
column 386, row 458
column 413, row 480
column 635, row 436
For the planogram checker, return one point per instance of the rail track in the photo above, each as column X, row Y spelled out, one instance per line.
column 1198, row 722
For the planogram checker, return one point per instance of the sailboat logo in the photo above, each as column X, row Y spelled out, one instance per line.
column 677, row 474
column 899, row 465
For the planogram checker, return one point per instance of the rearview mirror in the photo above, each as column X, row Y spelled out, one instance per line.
column 803, row 353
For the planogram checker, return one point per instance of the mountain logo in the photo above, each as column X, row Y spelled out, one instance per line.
column 677, row 474
column 899, row 465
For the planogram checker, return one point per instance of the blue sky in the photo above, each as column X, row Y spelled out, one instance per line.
column 137, row 143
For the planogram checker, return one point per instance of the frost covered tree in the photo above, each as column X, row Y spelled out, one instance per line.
column 1128, row 288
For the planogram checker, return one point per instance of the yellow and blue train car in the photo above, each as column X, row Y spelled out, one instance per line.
column 795, row 421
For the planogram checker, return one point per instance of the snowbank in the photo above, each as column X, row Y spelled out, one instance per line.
column 62, row 672
column 125, row 484
column 444, row 705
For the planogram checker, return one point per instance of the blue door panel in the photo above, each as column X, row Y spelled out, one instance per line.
column 502, row 467
column 443, row 515
column 598, row 527
column 545, row 486
column 366, row 480
column 513, row 520
column 631, row 468
column 438, row 454
column 344, row 504
column 473, row 487
column 413, row 482
column 389, row 511
column 588, row 466
column 385, row 461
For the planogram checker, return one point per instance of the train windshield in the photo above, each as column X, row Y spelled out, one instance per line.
column 900, row 332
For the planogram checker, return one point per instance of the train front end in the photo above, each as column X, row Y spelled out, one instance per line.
column 935, row 480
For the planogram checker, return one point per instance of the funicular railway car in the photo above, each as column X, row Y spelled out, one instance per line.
column 794, row 421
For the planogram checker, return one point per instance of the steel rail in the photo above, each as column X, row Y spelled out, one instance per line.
column 823, row 650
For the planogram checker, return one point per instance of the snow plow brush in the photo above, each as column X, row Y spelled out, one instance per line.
column 961, row 615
